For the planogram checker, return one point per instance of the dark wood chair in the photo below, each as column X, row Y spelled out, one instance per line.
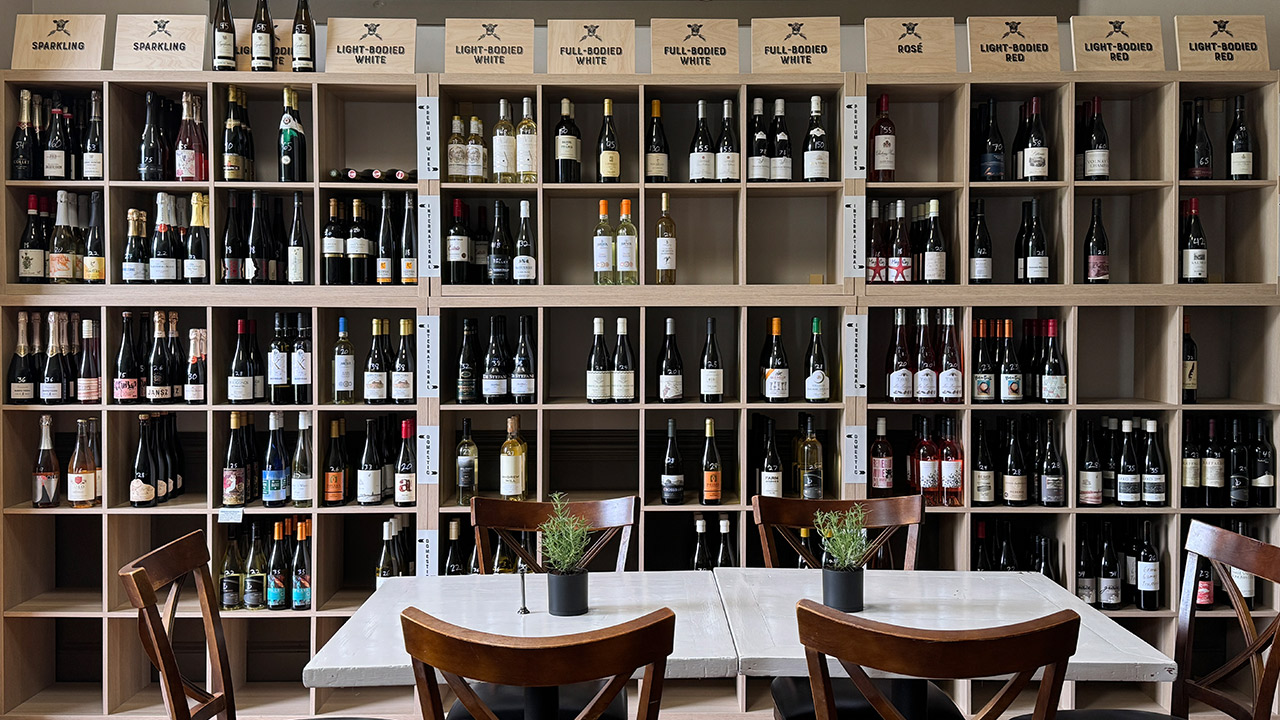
column 612, row 518
column 536, row 666
column 1220, row 548
column 782, row 517
column 171, row 565
column 857, row 643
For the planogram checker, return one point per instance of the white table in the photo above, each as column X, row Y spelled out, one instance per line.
column 761, row 605
column 369, row 649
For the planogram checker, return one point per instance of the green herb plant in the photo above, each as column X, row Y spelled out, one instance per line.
column 565, row 537
column 844, row 536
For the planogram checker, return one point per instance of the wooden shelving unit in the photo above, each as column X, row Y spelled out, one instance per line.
column 747, row 252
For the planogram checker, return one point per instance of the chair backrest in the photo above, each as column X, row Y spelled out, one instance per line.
column 614, row 517
column 170, row 565
column 781, row 517
column 614, row 653
column 857, row 642
column 1223, row 548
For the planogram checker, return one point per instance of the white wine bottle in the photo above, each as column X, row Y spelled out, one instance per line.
column 627, row 243
column 512, row 471
column 504, row 145
column 303, row 487
column 526, row 143
column 665, row 239
column 603, row 252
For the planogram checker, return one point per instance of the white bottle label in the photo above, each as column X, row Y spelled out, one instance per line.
column 1215, row 472
column 1128, row 488
column 261, row 49
column 1052, row 488
column 277, row 368
column 610, row 164
column 224, row 49
column 332, row 246
column 524, row 267
column 475, row 161
column 656, row 165
column 1195, row 264
column 55, row 164
column 504, row 154
column 1090, row 487
column 1035, row 162
column 296, row 268
column 1087, row 590
column 302, row 487
column 1148, row 576
column 375, row 386
column 357, row 246
column 133, row 271
column 1038, row 267
column 603, row 255
column 984, row 486
column 369, row 486
column 758, row 167
column 817, row 164
column 456, row 247
column 711, row 381
column 984, row 386
column 1154, row 489
column 623, row 385
column 599, row 384
column 300, row 367
column 702, row 166
column 92, row 162
column 728, row 166
column 780, row 168
column 926, row 385
column 886, row 152
column 1109, row 593
column 952, row 474
column 23, row 391
column 195, row 268
column 524, row 386
column 239, row 388
column 771, row 484
column 456, row 159
column 935, row 266
column 930, row 474
column 31, row 263
column 951, row 384
column 493, row 387
column 511, row 474
column 163, row 269
column 402, row 385
column 525, row 145
column 1053, row 387
column 776, row 383
column 1241, row 163
column 1244, row 581
column 406, row 488
column 53, row 391
column 81, row 486
column 302, row 51
column 1015, row 487
column 344, row 373
column 666, row 253
column 817, row 386
column 193, row 392
column 184, row 162
column 1191, row 472
column 1097, row 162
column 670, row 387
column 628, row 260
column 900, row 384
column 568, row 147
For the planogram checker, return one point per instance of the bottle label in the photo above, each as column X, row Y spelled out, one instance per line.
column 300, row 367
column 401, row 385
column 656, row 165
column 951, row 384
column 232, row 486
column 1191, row 472
column 984, row 486
column 1190, row 374
column 480, row 255
column 276, row 595
column 61, row 266
column 1035, row 162
column 375, row 385
column 55, row 164
column 627, row 253
column 301, row 591
column 356, row 246
column 1128, row 488
column 525, row 145
column 475, row 161
column 780, row 168
column 1087, row 590
column 31, row 263
column 466, row 470
column 599, row 385
column 277, row 368
column 711, row 381
column 456, row 160
column 159, row 392
column 624, row 385
column 238, row 388
column 302, row 487
column 711, row 484
column 408, row 271
column 1038, row 268
column 984, row 386
column 275, row 485
column 702, row 166
column 499, row 267
column 673, row 488
column 232, row 166
column 88, row 389
column 184, row 162
column 952, row 474
column 124, row 389
column 728, row 166
column 369, row 486
column 1154, row 489
column 456, row 248
column 1015, row 488
column 817, row 386
column 980, row 268
column 230, row 589
column 926, row 384
column 930, row 474
column 877, row 269
column 92, row 165
column 261, row 48
column 817, row 165
column 1090, row 487
column 504, row 154
column 670, row 387
column 511, row 475
column 80, row 486
column 334, row 486
column 1053, row 387
column 886, row 152
column 524, row 386
column 899, row 269
column 811, row 484
column 1079, row 165
column 1204, row 592
column 523, row 267
column 1010, row 387
column 770, row 483
column 1242, row 163
column 466, row 388
column 22, row 391
column 255, row 590
column 758, row 167
column 935, row 266
column 302, row 52
column 1099, row 267
column 1243, row 581
column 776, row 383
column 1264, row 480
column 296, row 271
column 332, row 245
column 1148, row 576
column 992, row 166
column 50, row 391
column 1021, row 268
column 344, row 373
column 1215, row 472
column 900, row 384
column 406, row 488
column 1195, row 264
column 1097, row 163
column 568, row 147
column 163, row 269
column 610, row 163
column 1052, row 489
column 882, row 473
column 603, row 253
column 1109, row 592
column 666, row 253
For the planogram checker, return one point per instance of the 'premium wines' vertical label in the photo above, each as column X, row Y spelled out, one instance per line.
column 911, row 45
column 488, row 45
column 283, row 31
column 1108, row 42
column 428, row 135
column 604, row 47
column 1001, row 44
column 798, row 44
column 694, row 45
column 160, row 42
column 1222, row 42
column 385, row 45
column 855, row 137
column 58, row 42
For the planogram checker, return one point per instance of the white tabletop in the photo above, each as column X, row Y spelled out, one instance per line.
column 369, row 649
column 761, row 605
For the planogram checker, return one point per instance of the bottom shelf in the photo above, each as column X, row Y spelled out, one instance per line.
column 1107, row 695
column 388, row 703
column 63, row 699
column 273, row 699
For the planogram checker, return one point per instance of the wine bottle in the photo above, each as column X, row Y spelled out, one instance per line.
column 1035, row 151
column 455, row 557
column 627, row 248
column 725, row 557
column 926, row 465
column 1199, row 163
column 701, row 553
column 224, row 41
column 1097, row 254
column 779, row 144
column 1214, row 469
column 512, row 460
column 278, row 571
column 344, row 367
column 162, row 255
column 1053, row 371
column 817, row 155
column 1239, row 466
column 93, row 264
column 357, row 245
column 900, row 368
column 57, row 147
column 672, row 478
column 291, row 146
column 728, row 165
column 389, row 560
column 466, row 464
column 702, row 159
column 263, row 39
column 299, row 362
column 33, row 248
column 457, row 246
column 603, row 249
column 775, row 383
column 1190, row 363
column 1193, row 247
column 369, row 471
column 623, row 378
column 335, row 469
column 301, row 476
column 1240, row 140
column 936, row 264
column 404, row 369
column 144, row 485
column 817, row 383
column 924, row 379
column 991, row 148
column 1097, row 151
column 985, row 361
column 670, row 370
column 711, row 368
column 62, row 244
column 1204, row 585
column 1109, row 570
column 877, row 261
column 275, row 471
column 526, row 144
column 951, row 454
column 1089, row 475
column 1128, row 472
column 159, row 385
column 406, row 468
column 900, row 256
column 1011, row 379
column 712, row 480
column 1036, row 248
column 656, row 154
column 46, row 474
column 1014, row 479
column 1051, row 471
column 757, row 144
column 89, row 375
column 495, row 382
column 377, row 367
column 128, row 378
column 51, row 383
column 504, row 145
column 24, row 164
column 884, row 138
column 1148, row 595
column 469, row 369
column 231, row 576
column 882, row 477
column 1262, row 481
column 770, row 474
column 1192, row 466
column 608, row 157
column 1244, row 581
column 599, row 366
column 568, row 146
column 524, row 266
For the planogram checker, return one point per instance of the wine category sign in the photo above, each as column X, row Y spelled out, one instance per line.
column 694, row 45
column 1108, row 42
column 160, row 42
column 58, row 42
column 1023, row 44
column 488, row 45
column 381, row 45
column 1222, row 42
column 911, row 45
column 606, row 47
column 801, row 44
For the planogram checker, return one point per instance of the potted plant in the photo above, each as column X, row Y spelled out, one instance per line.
column 845, row 545
column 565, row 537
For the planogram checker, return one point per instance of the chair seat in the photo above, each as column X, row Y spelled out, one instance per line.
column 793, row 700
column 1106, row 714
column 507, row 702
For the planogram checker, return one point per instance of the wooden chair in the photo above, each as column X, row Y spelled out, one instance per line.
column 143, row 578
column 537, row 665
column 780, row 516
column 1017, row 650
column 613, row 517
